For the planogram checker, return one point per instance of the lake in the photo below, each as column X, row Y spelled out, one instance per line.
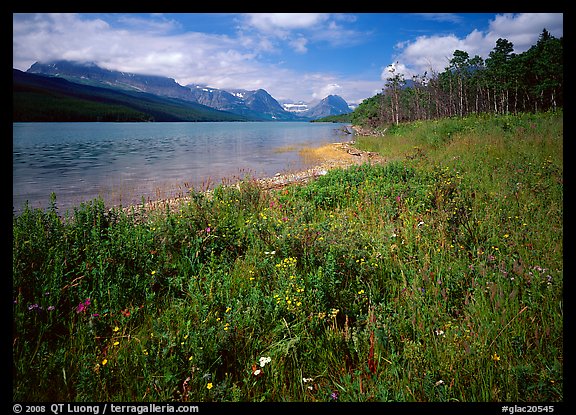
column 123, row 162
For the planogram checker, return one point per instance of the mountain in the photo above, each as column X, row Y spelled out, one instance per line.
column 256, row 105
column 331, row 105
column 92, row 74
column 48, row 98
column 262, row 102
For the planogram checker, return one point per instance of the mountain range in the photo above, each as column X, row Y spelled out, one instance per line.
column 237, row 104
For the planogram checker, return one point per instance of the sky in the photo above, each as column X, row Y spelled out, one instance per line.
column 293, row 56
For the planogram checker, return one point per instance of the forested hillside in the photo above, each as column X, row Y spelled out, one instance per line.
column 503, row 83
column 45, row 98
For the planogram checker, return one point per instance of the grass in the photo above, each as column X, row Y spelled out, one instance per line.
column 435, row 277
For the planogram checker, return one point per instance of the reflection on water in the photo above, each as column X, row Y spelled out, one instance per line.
column 123, row 162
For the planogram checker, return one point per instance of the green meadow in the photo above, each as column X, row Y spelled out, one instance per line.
column 436, row 276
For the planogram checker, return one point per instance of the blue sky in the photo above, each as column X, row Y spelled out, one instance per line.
column 294, row 56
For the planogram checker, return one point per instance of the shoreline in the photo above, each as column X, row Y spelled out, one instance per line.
column 327, row 157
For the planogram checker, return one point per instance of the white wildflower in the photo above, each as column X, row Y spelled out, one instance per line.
column 264, row 361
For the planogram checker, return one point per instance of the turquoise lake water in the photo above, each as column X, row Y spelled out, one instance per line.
column 122, row 162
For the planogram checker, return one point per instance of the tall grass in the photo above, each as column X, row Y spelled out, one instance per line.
column 435, row 277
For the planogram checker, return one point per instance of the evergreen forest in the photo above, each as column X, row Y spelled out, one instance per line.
column 503, row 83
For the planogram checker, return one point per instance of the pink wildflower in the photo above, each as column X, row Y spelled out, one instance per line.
column 83, row 306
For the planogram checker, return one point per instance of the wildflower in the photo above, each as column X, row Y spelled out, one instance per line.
column 116, row 329
column 34, row 307
column 209, row 385
column 495, row 357
column 116, row 343
column 153, row 272
column 361, row 292
column 257, row 372
column 83, row 306
column 264, row 361
column 104, row 362
column 51, row 308
column 334, row 396
column 228, row 309
column 306, row 380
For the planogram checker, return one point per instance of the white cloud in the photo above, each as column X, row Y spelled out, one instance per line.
column 329, row 89
column 182, row 56
column 161, row 47
column 523, row 29
column 299, row 29
column 155, row 23
column 434, row 52
column 243, row 58
column 278, row 23
column 299, row 45
column 442, row 17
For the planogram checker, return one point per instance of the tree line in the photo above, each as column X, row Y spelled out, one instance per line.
column 503, row 83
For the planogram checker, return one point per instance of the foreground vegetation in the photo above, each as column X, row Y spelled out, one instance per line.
column 437, row 276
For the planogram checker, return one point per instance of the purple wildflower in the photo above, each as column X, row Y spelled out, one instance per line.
column 334, row 396
column 83, row 306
